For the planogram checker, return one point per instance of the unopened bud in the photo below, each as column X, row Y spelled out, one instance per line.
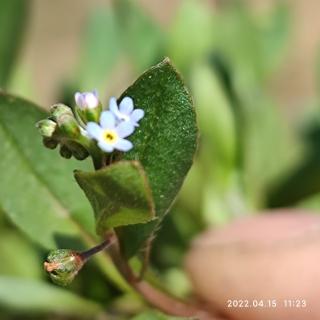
column 65, row 119
column 65, row 152
column 50, row 143
column 63, row 265
column 46, row 127
column 59, row 109
column 78, row 151
column 88, row 106
column 68, row 126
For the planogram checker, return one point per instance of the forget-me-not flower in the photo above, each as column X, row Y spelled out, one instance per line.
column 110, row 134
column 88, row 100
column 125, row 111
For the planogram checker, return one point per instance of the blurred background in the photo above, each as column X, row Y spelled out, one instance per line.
column 253, row 69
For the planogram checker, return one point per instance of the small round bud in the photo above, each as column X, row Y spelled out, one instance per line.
column 46, row 127
column 68, row 126
column 63, row 265
column 88, row 106
column 78, row 151
column 65, row 119
column 59, row 109
column 87, row 100
column 50, row 143
column 65, row 152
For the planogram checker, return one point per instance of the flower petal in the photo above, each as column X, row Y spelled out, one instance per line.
column 113, row 106
column 78, row 97
column 123, row 145
column 94, row 130
column 91, row 100
column 137, row 115
column 107, row 120
column 105, row 146
column 124, row 129
column 126, row 105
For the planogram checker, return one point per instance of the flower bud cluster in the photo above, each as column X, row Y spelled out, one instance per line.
column 88, row 129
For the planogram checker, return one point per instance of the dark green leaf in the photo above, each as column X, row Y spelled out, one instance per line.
column 21, row 295
column 13, row 14
column 164, row 143
column 119, row 194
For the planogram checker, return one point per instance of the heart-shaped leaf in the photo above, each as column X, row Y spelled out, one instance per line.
column 119, row 194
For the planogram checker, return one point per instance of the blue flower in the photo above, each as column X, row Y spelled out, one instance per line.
column 125, row 111
column 88, row 100
column 110, row 134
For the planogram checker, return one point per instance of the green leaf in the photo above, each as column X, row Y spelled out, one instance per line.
column 101, row 47
column 37, row 189
column 119, row 194
column 164, row 143
column 216, row 119
column 13, row 14
column 193, row 21
column 21, row 295
column 137, row 30
column 18, row 256
column 155, row 315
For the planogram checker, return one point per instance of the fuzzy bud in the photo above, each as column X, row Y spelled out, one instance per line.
column 63, row 265
column 46, row 127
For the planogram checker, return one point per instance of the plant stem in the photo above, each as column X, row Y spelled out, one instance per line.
column 96, row 155
column 86, row 255
column 154, row 296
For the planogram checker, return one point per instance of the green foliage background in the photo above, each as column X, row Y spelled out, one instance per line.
column 248, row 159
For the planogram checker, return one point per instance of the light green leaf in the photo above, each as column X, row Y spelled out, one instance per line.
column 18, row 256
column 21, row 295
column 155, row 315
column 36, row 188
column 141, row 37
column 119, row 194
column 101, row 47
column 216, row 119
column 13, row 14
column 190, row 37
